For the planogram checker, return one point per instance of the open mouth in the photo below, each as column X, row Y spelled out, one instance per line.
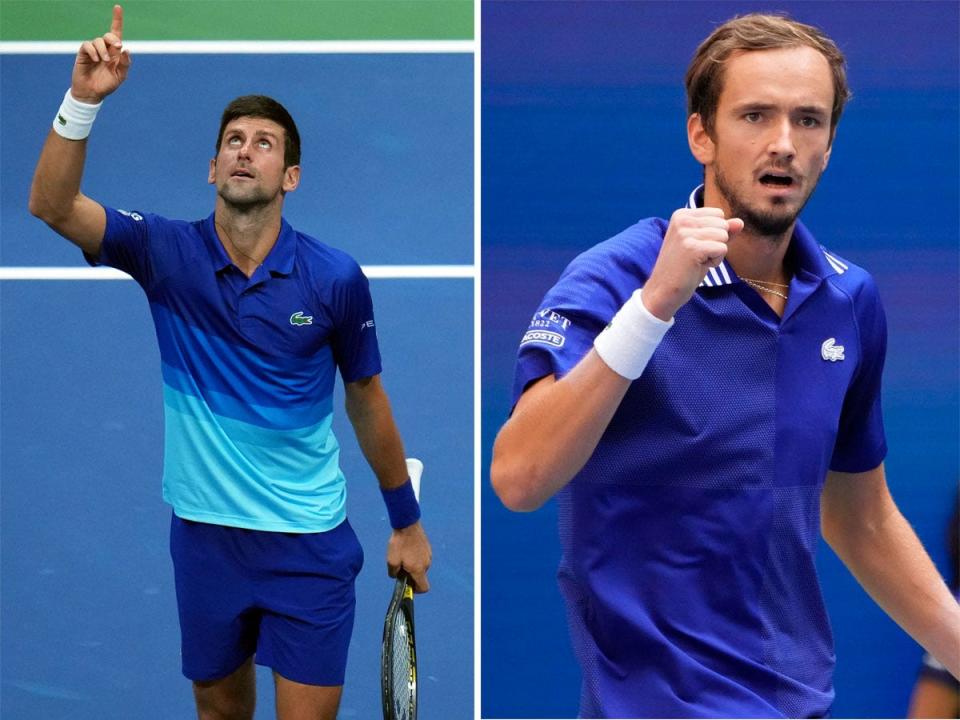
column 241, row 173
column 772, row 180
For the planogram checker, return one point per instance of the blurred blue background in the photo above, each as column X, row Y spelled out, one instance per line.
column 583, row 115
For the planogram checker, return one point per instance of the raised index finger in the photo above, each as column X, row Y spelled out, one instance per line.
column 116, row 27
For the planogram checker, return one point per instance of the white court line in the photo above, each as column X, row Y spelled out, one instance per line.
column 378, row 272
column 478, row 480
column 247, row 47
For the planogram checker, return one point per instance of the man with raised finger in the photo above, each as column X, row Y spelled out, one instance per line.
column 702, row 395
column 254, row 320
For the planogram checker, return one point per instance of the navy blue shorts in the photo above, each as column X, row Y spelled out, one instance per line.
column 286, row 597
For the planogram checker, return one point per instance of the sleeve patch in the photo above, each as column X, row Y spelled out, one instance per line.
column 547, row 327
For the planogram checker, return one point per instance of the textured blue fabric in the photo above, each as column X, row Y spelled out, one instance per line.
column 248, row 367
column 289, row 598
column 402, row 506
column 689, row 536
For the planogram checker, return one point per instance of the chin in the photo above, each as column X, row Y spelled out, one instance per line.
column 241, row 199
column 769, row 224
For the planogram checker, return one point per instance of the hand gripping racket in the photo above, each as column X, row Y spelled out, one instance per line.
column 398, row 654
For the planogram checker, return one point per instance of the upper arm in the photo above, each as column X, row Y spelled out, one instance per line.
column 861, row 441
column 354, row 340
column 532, row 394
column 84, row 225
column 853, row 502
column 362, row 396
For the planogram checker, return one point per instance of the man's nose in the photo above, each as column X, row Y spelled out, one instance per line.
column 781, row 142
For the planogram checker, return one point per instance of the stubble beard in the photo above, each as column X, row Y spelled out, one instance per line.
column 244, row 201
column 770, row 224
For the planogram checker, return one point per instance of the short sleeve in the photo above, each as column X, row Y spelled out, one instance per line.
column 861, row 443
column 354, row 341
column 571, row 315
column 126, row 243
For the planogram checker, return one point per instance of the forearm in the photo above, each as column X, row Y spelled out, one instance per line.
column 885, row 555
column 56, row 181
column 100, row 67
column 368, row 408
column 554, row 430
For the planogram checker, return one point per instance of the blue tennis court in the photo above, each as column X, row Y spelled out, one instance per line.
column 89, row 614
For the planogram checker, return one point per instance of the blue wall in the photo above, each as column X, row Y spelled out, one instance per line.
column 583, row 134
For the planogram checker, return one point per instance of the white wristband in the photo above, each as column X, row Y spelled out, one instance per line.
column 628, row 342
column 75, row 118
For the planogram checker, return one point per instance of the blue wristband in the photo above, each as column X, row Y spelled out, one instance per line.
column 402, row 505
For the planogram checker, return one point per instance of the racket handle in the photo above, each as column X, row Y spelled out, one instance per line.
column 415, row 470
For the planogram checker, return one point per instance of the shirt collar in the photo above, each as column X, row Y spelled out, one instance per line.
column 279, row 260
column 806, row 254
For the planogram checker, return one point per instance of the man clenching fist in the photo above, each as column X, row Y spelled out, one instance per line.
column 696, row 241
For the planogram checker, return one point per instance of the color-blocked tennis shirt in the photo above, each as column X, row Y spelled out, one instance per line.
column 689, row 537
column 248, row 368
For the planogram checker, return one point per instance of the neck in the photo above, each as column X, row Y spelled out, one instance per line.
column 247, row 234
column 758, row 257
column 751, row 254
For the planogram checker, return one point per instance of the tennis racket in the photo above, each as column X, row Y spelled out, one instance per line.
column 398, row 654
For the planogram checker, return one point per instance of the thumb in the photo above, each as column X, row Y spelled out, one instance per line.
column 734, row 225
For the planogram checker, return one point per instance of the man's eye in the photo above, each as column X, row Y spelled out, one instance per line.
column 809, row 122
column 265, row 144
column 752, row 117
column 233, row 141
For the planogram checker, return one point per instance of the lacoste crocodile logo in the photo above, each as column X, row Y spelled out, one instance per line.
column 298, row 318
column 830, row 351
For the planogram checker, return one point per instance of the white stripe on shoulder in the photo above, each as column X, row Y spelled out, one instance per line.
column 692, row 200
column 706, row 281
column 715, row 276
column 835, row 263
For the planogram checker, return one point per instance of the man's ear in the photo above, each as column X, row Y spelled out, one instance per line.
column 212, row 175
column 291, row 178
column 701, row 144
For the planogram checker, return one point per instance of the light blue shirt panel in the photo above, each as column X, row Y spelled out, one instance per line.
column 227, row 472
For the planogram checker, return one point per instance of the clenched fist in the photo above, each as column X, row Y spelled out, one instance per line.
column 696, row 240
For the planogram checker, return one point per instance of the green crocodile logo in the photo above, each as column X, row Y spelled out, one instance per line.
column 298, row 318
column 61, row 119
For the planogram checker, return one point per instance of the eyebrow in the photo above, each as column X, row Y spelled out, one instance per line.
column 760, row 106
column 813, row 110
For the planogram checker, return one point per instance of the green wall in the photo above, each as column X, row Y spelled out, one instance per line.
column 240, row 19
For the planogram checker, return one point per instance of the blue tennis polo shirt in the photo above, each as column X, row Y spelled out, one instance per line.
column 248, row 368
column 689, row 536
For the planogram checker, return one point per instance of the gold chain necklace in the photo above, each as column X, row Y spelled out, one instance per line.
column 761, row 285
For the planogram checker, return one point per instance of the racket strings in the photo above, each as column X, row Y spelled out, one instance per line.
column 402, row 666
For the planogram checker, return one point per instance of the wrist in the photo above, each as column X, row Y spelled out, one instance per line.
column 74, row 119
column 657, row 305
column 85, row 99
column 402, row 506
column 628, row 342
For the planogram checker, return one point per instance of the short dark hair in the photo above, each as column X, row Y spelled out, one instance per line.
column 757, row 31
column 261, row 106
